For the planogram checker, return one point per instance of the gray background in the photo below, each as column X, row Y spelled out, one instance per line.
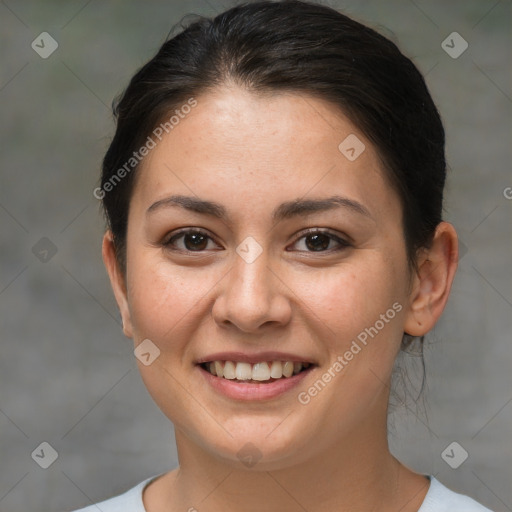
column 68, row 375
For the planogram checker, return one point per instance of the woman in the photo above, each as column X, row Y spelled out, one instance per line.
column 273, row 193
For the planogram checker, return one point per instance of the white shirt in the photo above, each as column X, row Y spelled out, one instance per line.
column 438, row 499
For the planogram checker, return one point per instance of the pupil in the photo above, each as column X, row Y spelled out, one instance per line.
column 195, row 237
column 317, row 244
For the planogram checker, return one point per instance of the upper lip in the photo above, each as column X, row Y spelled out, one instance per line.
column 259, row 357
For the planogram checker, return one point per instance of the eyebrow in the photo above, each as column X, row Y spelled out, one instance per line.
column 286, row 210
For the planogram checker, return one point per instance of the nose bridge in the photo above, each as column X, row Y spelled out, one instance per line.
column 250, row 280
column 252, row 295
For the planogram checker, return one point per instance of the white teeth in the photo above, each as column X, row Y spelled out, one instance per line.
column 263, row 371
column 243, row 371
column 229, row 370
column 288, row 369
column 276, row 370
column 219, row 371
column 260, row 371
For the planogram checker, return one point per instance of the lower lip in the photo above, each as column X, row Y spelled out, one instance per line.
column 248, row 391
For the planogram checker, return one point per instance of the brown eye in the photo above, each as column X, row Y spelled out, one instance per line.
column 193, row 240
column 320, row 241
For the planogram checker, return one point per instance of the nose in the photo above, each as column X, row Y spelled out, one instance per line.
column 253, row 296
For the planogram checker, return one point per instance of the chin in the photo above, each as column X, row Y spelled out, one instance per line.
column 259, row 444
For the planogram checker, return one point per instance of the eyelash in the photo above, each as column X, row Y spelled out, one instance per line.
column 168, row 244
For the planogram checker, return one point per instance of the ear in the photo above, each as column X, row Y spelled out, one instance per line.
column 432, row 284
column 117, row 282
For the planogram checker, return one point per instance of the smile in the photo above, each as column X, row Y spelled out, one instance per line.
column 258, row 372
column 259, row 381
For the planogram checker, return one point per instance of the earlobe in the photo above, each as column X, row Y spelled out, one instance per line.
column 117, row 281
column 432, row 283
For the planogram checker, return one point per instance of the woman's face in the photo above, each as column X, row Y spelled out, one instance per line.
column 255, row 281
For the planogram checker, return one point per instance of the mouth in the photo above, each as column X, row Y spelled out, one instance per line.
column 262, row 376
column 264, row 372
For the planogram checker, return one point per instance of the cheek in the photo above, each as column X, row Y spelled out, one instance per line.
column 357, row 313
column 163, row 297
column 347, row 299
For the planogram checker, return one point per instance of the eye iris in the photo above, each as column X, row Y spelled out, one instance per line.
column 320, row 241
column 195, row 237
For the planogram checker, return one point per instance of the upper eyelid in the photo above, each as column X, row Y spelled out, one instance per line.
column 323, row 231
column 185, row 231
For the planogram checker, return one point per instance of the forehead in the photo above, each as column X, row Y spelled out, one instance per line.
column 238, row 145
